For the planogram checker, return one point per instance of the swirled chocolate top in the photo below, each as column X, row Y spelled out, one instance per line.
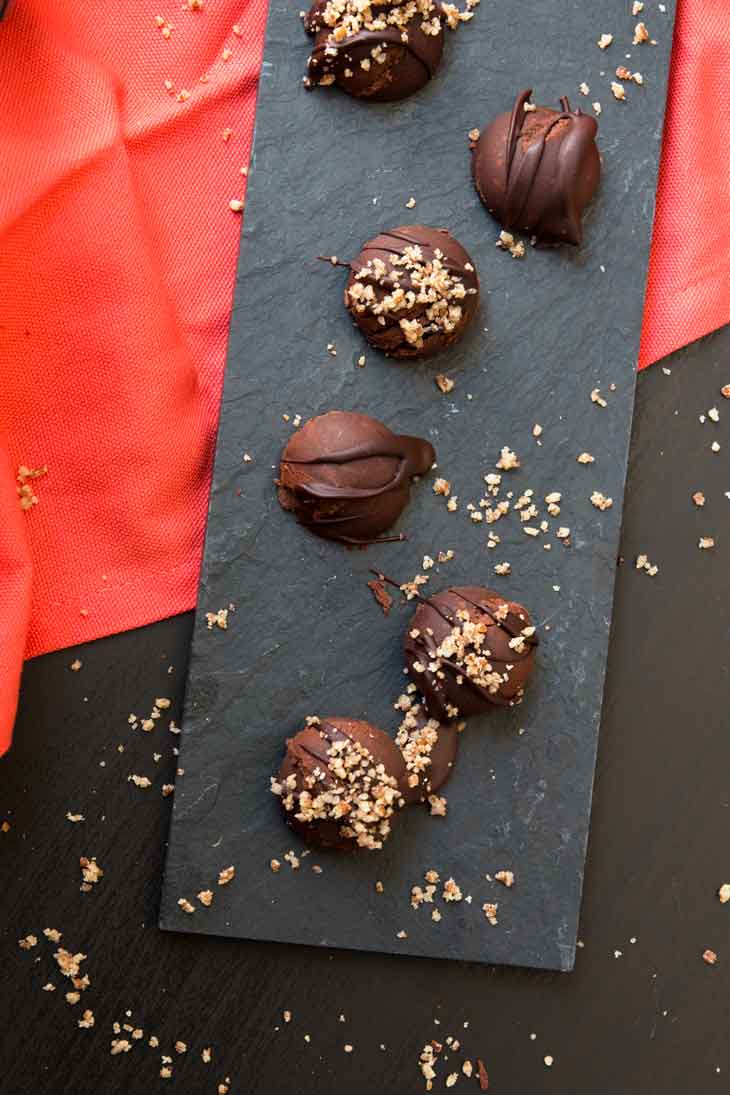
column 347, row 477
column 536, row 169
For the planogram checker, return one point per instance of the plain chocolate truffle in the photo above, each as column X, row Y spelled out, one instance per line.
column 379, row 51
column 468, row 649
column 429, row 749
column 537, row 169
column 412, row 291
column 340, row 783
column 347, row 477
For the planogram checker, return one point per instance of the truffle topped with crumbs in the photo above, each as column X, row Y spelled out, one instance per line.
column 340, row 783
column 429, row 750
column 380, row 50
column 412, row 291
column 536, row 169
column 468, row 649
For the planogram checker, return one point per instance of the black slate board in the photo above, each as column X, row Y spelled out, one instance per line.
column 306, row 637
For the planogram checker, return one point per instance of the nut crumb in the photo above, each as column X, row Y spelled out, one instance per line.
column 724, row 893
column 444, row 383
column 604, row 41
column 507, row 460
column 226, row 875
column 706, row 542
column 600, row 501
column 205, row 897
column 185, row 905
column 507, row 878
column 490, row 911
column 709, row 957
column 217, row 619
column 641, row 34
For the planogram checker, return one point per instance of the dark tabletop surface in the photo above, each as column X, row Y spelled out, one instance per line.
column 641, row 1014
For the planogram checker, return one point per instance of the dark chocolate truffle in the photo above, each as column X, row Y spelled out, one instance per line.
column 412, row 291
column 377, row 51
column 468, row 649
column 347, row 477
column 537, row 169
column 429, row 750
column 340, row 783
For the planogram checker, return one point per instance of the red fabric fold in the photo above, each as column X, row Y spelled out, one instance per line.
column 688, row 289
column 121, row 147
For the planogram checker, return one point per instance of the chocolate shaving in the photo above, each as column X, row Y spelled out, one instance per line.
column 483, row 1075
column 381, row 595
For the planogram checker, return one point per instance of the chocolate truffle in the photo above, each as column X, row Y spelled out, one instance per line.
column 429, row 750
column 412, row 291
column 377, row 51
column 537, row 169
column 347, row 477
column 468, row 649
column 340, row 783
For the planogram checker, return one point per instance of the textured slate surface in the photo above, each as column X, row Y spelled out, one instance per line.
column 306, row 636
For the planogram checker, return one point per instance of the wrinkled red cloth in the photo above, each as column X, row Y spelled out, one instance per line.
column 123, row 131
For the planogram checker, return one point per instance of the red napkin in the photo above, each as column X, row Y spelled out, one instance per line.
column 123, row 132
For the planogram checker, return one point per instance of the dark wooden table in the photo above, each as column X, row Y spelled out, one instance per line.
column 641, row 1014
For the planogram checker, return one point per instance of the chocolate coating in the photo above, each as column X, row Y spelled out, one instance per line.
column 467, row 650
column 429, row 750
column 537, row 170
column 383, row 52
column 347, row 477
column 412, row 291
column 340, row 783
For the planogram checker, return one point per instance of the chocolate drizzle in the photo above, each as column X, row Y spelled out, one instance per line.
column 340, row 783
column 412, row 307
column 536, row 170
column 448, row 687
column 347, row 477
column 399, row 56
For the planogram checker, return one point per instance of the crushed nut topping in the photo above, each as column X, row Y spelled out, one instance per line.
column 507, row 460
column 507, row 242
column 641, row 34
column 600, row 501
column 352, row 788
column 409, row 283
